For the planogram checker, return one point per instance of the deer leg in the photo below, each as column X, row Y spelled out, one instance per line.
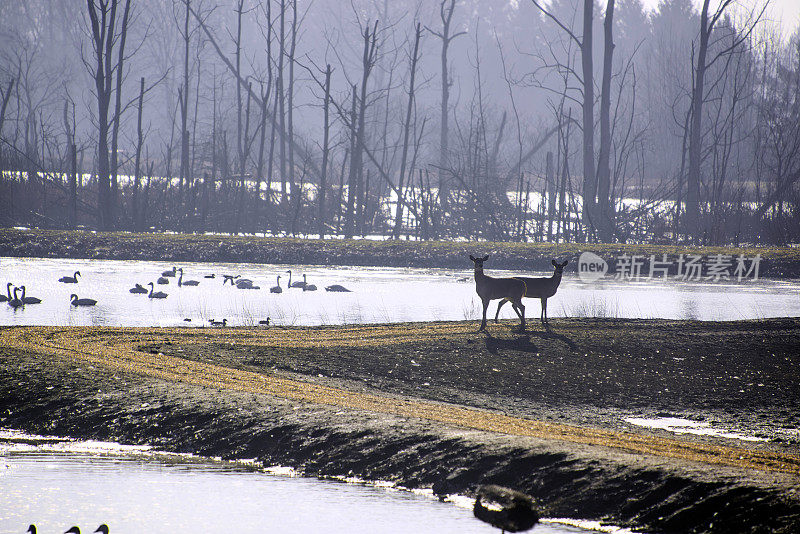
column 500, row 305
column 544, row 310
column 520, row 309
column 483, row 322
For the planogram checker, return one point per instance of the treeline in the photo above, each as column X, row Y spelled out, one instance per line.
column 570, row 121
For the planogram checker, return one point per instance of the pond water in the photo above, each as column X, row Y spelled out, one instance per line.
column 379, row 295
column 56, row 484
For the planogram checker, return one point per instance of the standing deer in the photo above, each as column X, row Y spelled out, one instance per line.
column 488, row 289
column 538, row 288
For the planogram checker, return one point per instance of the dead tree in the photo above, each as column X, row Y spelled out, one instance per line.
column 114, row 193
column 323, row 179
column 605, row 214
column 104, row 34
column 585, row 45
column 446, row 9
column 398, row 218
column 692, row 226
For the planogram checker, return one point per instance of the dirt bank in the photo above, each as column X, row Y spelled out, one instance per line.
column 776, row 262
column 437, row 405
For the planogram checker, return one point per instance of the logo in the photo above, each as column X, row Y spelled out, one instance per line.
column 591, row 267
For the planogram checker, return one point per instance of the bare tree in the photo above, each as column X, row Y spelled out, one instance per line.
column 104, row 33
column 446, row 9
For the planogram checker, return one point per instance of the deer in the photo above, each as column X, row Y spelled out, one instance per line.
column 488, row 289
column 541, row 288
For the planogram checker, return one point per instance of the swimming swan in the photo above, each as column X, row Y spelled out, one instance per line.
column 75, row 301
column 28, row 300
column 187, row 282
column 70, row 279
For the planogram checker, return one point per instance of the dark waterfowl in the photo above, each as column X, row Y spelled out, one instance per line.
column 264, row 322
column 75, row 301
column 170, row 274
column 210, row 276
column 277, row 288
column 336, row 288
column 246, row 284
column 223, row 322
column 15, row 302
column 28, row 300
column 307, row 286
column 70, row 279
column 103, row 529
column 157, row 294
column 138, row 289
column 73, row 530
column 187, row 282
column 4, row 298
column 163, row 281
column 32, row 529
column 294, row 284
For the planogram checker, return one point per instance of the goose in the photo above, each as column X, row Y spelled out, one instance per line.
column 307, row 286
column 264, row 322
column 28, row 300
column 171, row 273
column 70, row 279
column 4, row 298
column 15, row 302
column 75, row 301
column 102, row 528
column 138, row 289
column 294, row 284
column 212, row 275
column 73, row 530
column 161, row 280
column 157, row 294
column 188, row 282
column 336, row 288
column 223, row 322
column 277, row 288
column 31, row 529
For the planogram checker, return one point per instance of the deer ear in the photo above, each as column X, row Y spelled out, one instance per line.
column 486, row 257
column 554, row 263
column 470, row 257
column 564, row 264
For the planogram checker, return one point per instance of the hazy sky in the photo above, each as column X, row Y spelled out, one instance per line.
column 785, row 11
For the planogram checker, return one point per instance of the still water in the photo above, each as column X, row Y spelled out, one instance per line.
column 134, row 491
column 379, row 295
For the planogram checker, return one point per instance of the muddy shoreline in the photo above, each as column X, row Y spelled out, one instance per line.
column 776, row 262
column 175, row 389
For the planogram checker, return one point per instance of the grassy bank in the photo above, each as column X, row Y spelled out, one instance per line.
column 435, row 405
column 777, row 262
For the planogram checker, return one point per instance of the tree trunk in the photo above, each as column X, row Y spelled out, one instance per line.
column 398, row 218
column 136, row 177
column 589, row 183
column 605, row 222
column 692, row 218
column 323, row 179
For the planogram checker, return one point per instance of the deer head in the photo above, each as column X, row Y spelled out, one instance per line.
column 478, row 262
column 559, row 266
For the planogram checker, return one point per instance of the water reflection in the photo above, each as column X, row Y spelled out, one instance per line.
column 379, row 295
